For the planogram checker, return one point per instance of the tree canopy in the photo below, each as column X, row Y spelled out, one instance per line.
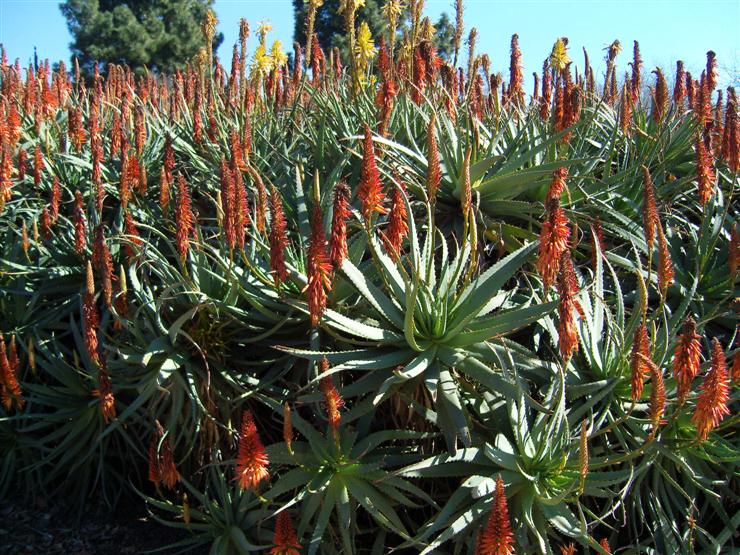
column 329, row 27
column 157, row 34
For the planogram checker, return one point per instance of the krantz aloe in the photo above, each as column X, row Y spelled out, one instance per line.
column 377, row 299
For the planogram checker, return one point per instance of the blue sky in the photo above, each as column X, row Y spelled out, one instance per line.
column 666, row 30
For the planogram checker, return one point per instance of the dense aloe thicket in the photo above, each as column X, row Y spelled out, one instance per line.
column 383, row 306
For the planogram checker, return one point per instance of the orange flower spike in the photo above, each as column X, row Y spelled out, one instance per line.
column 340, row 214
column 665, row 265
column 103, row 262
column 319, row 269
column 657, row 396
column 711, row 406
column 686, row 358
column 56, row 198
column 705, row 174
column 90, row 320
column 79, row 222
column 105, row 394
column 398, row 228
column 10, row 389
column 569, row 549
column 497, row 538
column 650, row 215
column 558, row 185
column 251, row 460
column 568, row 289
column 130, row 229
column 332, row 399
column 285, row 539
column 38, row 165
column 164, row 192
column 554, row 238
column 183, row 218
column 604, row 543
column 278, row 238
column 46, row 232
column 434, row 175
column 370, row 191
column 167, row 466
column 154, row 473
column 638, row 367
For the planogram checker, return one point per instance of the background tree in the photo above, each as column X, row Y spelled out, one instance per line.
column 329, row 26
column 158, row 34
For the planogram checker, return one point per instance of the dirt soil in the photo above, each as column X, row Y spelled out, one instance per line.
column 38, row 528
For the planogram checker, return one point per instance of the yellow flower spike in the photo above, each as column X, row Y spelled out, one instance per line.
column 263, row 28
column 365, row 47
column 279, row 58
column 392, row 9
column 559, row 59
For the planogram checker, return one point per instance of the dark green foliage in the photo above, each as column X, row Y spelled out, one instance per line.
column 159, row 34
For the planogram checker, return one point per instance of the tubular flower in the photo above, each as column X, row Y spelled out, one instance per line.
column 370, row 191
column 419, row 77
column 278, row 238
column 162, row 468
column 711, row 70
column 704, row 170
column 686, row 358
column 38, row 165
column 104, row 393
column 183, row 218
column 553, row 242
column 711, row 406
column 568, row 289
column 546, row 97
column 650, row 216
column 665, row 265
column 604, row 543
column 638, row 366
column 497, row 538
column 228, row 204
column 90, row 319
column 251, row 461
column 340, row 214
column 557, row 186
column 285, row 539
column 319, row 269
column 10, row 389
column 79, row 221
column 433, row 170
column 134, row 239
column 398, row 227
column 569, row 549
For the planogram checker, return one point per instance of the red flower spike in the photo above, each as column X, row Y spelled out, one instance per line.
column 183, row 218
column 557, row 186
column 90, row 320
column 134, row 239
column 553, row 242
column 497, row 538
column 638, row 367
column 340, row 214
column 10, row 389
column 665, row 265
column 285, row 539
column 650, row 216
column 79, row 222
column 434, row 175
column 319, row 269
column 278, row 238
column 686, row 358
column 706, row 177
column 397, row 228
column 104, row 393
column 370, row 191
column 251, row 461
column 711, row 406
column 568, row 289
